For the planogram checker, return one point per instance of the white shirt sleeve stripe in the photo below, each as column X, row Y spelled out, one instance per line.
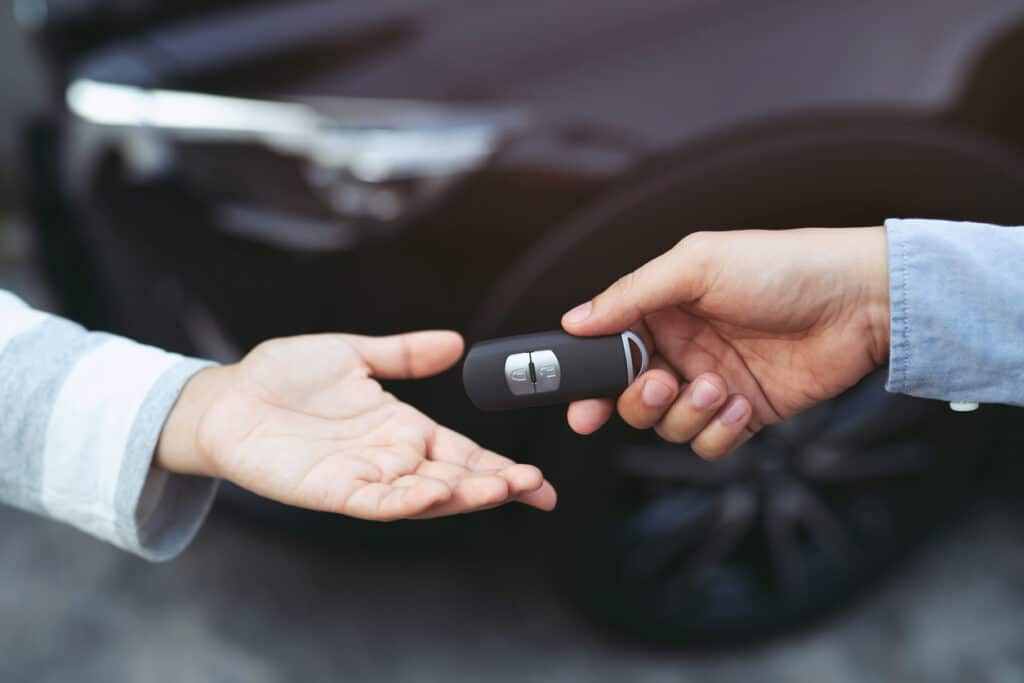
column 88, row 431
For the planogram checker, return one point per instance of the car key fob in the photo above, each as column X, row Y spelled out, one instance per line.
column 548, row 368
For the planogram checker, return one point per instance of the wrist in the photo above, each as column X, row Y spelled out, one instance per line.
column 179, row 448
column 875, row 262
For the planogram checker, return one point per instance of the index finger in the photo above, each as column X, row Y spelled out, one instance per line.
column 674, row 278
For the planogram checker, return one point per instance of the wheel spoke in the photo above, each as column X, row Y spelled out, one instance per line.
column 800, row 529
column 665, row 528
column 736, row 510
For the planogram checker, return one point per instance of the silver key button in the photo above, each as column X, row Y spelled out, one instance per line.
column 517, row 374
column 547, row 371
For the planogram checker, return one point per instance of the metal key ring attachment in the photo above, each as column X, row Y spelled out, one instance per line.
column 631, row 336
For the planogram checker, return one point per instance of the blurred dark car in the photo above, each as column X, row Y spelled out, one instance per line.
column 215, row 173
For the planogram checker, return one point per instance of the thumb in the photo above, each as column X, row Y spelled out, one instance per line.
column 408, row 356
column 674, row 278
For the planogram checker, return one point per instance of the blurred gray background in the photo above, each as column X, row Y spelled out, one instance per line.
column 22, row 90
column 252, row 604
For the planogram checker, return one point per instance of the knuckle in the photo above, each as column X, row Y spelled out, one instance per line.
column 629, row 416
column 664, row 433
column 672, row 432
column 407, row 359
column 715, row 381
column 699, row 254
column 710, row 450
column 696, row 241
column 635, row 420
column 474, row 459
column 625, row 284
column 632, row 413
column 626, row 292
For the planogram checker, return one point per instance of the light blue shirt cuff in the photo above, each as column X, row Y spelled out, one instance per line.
column 956, row 311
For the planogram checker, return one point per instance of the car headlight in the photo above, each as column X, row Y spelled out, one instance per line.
column 371, row 162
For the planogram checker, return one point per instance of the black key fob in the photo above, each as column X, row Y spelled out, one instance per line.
column 548, row 368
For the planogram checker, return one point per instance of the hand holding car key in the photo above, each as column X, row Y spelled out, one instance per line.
column 761, row 326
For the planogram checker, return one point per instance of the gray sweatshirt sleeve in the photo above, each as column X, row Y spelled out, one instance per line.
column 82, row 412
column 956, row 311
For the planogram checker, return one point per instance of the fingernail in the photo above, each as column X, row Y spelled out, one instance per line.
column 580, row 313
column 656, row 394
column 735, row 411
column 705, row 394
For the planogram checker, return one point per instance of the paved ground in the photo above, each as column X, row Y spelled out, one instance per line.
column 244, row 604
column 254, row 605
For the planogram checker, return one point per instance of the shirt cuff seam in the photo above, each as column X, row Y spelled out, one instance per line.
column 899, row 337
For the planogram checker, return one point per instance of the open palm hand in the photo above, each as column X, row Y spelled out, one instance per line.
column 303, row 421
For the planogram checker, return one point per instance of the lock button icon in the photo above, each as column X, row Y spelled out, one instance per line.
column 537, row 372
column 518, row 376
